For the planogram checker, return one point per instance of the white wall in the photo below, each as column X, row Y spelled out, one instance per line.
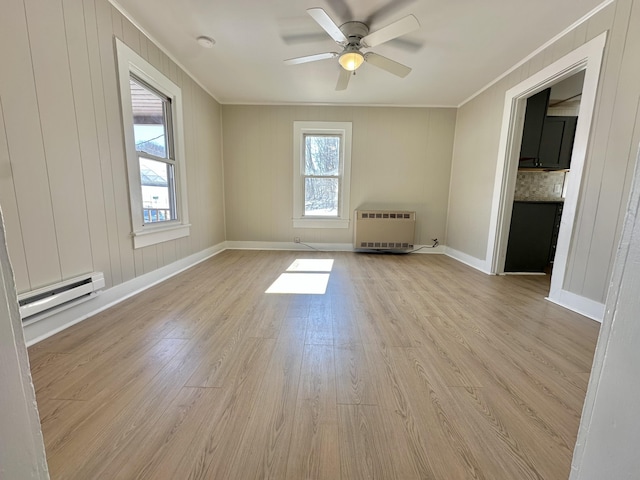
column 609, row 435
column 63, row 181
column 21, row 444
column 401, row 158
column 610, row 154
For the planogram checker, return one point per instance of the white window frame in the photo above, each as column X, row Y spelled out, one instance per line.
column 300, row 129
column 145, row 234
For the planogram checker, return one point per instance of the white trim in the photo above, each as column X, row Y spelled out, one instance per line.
column 151, row 237
column 462, row 257
column 546, row 45
column 325, row 247
column 589, row 57
column 150, row 234
column 58, row 322
column 429, row 250
column 344, row 129
column 582, row 305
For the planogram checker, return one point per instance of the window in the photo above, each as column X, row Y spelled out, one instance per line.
column 152, row 120
column 321, row 166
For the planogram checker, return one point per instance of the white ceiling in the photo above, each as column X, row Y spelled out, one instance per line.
column 462, row 46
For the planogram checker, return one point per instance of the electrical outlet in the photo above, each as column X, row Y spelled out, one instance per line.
column 296, row 239
column 557, row 188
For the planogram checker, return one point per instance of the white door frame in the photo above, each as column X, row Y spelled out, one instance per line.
column 588, row 57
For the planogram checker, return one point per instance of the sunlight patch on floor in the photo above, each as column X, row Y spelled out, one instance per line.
column 311, row 265
column 300, row 283
column 304, row 276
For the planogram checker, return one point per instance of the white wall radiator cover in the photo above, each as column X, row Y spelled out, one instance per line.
column 384, row 229
column 40, row 303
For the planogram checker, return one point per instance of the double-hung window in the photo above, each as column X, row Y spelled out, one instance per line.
column 322, row 165
column 152, row 119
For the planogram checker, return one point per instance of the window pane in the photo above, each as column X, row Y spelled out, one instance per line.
column 321, row 154
column 149, row 120
column 321, row 197
column 158, row 191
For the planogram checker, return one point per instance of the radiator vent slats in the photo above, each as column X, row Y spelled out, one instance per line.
column 384, row 229
column 390, row 215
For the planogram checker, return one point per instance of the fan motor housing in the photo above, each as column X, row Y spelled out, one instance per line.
column 354, row 31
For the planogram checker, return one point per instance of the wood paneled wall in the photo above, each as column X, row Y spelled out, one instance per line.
column 401, row 158
column 610, row 158
column 63, row 182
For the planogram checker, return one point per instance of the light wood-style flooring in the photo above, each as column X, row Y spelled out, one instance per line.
column 409, row 367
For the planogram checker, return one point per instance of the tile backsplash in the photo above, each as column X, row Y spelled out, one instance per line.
column 539, row 185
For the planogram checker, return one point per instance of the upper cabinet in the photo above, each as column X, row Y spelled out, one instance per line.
column 547, row 142
column 556, row 143
column 533, row 124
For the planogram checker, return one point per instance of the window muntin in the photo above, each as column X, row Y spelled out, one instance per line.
column 322, row 165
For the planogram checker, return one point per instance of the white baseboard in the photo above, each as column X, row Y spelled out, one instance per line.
column 37, row 331
column 428, row 249
column 582, row 305
column 325, row 247
column 468, row 260
column 328, row 247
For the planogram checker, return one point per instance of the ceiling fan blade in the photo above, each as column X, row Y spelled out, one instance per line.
column 341, row 8
column 343, row 79
column 387, row 10
column 310, row 58
column 405, row 44
column 387, row 64
column 394, row 30
column 300, row 38
column 328, row 25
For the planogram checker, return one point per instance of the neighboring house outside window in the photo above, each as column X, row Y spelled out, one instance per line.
column 153, row 133
column 321, row 167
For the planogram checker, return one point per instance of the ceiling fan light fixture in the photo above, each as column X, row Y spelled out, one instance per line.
column 351, row 60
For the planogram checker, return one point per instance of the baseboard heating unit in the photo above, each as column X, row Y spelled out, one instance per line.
column 384, row 229
column 43, row 302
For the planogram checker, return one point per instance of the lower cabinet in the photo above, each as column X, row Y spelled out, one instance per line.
column 533, row 236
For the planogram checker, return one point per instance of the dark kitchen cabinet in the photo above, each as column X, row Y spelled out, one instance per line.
column 547, row 142
column 533, row 236
column 556, row 144
column 534, row 117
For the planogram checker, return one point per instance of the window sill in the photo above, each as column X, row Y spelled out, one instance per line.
column 320, row 223
column 156, row 235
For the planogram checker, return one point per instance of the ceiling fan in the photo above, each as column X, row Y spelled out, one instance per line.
column 353, row 37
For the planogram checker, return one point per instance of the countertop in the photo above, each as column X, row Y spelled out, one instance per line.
column 549, row 200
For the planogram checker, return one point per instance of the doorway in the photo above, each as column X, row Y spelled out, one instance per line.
column 543, row 175
column 587, row 58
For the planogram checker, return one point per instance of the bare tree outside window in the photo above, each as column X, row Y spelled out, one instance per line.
column 322, row 175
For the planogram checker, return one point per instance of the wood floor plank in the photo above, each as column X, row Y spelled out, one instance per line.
column 513, row 447
column 207, row 452
column 263, row 451
column 313, row 451
column 319, row 323
column 371, row 445
column 438, row 445
column 356, row 380
column 409, row 366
